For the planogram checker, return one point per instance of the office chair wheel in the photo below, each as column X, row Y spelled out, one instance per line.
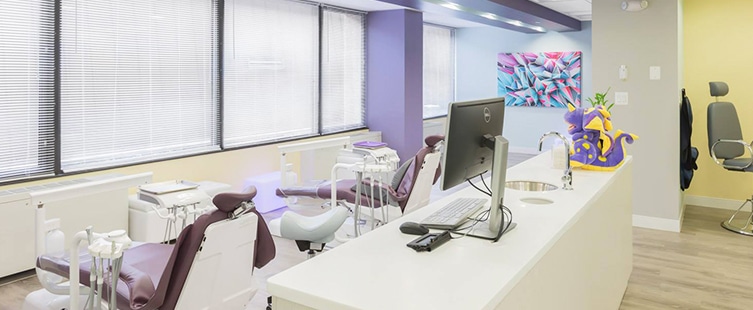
column 747, row 228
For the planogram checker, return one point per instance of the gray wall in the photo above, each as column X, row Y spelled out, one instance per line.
column 477, row 50
column 638, row 40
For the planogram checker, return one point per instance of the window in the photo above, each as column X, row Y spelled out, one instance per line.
column 26, row 88
column 271, row 71
column 439, row 70
column 138, row 81
column 91, row 84
column 343, row 61
column 275, row 85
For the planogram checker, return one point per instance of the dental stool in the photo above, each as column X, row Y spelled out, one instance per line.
column 726, row 143
column 209, row 266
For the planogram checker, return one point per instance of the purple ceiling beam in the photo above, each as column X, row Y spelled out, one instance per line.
column 523, row 10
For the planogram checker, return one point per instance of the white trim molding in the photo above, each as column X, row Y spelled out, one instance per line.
column 713, row 202
column 657, row 223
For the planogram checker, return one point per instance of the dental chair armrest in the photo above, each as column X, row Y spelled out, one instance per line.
column 743, row 143
column 139, row 285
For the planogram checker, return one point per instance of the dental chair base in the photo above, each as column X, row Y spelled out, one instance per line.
column 311, row 233
column 43, row 299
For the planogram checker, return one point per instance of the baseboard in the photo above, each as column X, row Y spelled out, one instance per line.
column 657, row 223
column 523, row 150
column 713, row 202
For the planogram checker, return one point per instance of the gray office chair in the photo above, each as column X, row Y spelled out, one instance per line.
column 726, row 143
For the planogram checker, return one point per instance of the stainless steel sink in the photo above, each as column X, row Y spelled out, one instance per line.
column 530, row 186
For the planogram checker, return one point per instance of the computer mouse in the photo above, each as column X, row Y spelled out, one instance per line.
column 413, row 228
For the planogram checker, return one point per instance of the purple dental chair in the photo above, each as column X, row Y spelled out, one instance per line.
column 209, row 266
column 397, row 193
column 409, row 190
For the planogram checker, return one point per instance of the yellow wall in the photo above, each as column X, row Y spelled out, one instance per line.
column 231, row 167
column 718, row 47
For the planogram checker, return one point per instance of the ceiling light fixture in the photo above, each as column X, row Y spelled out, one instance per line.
column 452, row 6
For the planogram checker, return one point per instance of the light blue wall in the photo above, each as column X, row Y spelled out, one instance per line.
column 477, row 50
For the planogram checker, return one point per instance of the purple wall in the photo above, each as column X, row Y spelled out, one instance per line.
column 394, row 86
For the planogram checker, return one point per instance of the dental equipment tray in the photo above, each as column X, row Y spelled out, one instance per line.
column 167, row 187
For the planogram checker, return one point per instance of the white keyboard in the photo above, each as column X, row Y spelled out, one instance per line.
column 454, row 213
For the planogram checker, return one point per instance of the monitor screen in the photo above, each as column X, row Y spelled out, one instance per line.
column 474, row 145
column 467, row 151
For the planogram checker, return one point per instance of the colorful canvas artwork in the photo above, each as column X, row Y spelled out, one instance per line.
column 548, row 79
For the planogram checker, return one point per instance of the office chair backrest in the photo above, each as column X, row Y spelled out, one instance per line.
column 723, row 123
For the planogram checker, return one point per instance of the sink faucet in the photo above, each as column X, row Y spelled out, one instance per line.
column 567, row 178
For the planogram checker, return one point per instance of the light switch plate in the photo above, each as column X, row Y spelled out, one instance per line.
column 654, row 73
column 622, row 72
column 620, row 98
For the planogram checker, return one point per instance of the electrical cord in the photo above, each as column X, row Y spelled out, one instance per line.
column 484, row 216
column 478, row 189
column 484, row 182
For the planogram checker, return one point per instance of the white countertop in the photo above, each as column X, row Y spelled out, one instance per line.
column 378, row 270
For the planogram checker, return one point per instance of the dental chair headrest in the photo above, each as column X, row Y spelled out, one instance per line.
column 718, row 89
column 433, row 140
column 227, row 202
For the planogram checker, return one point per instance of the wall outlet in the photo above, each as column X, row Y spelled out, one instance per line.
column 654, row 73
column 620, row 98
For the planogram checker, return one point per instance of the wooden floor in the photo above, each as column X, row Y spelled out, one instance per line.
column 704, row 267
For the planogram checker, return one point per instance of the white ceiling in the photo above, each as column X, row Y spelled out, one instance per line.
column 578, row 9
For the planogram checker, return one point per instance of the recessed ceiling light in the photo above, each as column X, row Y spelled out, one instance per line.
column 452, row 6
column 515, row 23
column 489, row 16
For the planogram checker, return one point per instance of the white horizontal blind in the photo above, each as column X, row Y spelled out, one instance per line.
column 270, row 71
column 139, row 81
column 439, row 70
column 26, row 88
column 343, row 52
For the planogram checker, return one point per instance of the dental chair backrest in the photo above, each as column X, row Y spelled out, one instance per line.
column 214, row 269
column 414, row 188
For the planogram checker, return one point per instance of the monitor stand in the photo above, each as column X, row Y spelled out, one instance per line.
column 481, row 230
column 491, row 227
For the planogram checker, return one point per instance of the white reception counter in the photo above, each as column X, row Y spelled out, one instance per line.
column 575, row 253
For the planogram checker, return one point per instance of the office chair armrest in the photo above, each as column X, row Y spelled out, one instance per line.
column 743, row 143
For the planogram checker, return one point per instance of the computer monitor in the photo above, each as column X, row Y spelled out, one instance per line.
column 474, row 145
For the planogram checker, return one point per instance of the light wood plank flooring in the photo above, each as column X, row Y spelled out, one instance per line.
column 704, row 267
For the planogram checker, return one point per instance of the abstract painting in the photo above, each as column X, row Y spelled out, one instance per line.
column 548, row 79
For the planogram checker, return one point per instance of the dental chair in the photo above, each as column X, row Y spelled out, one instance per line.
column 210, row 266
column 409, row 190
column 726, row 143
